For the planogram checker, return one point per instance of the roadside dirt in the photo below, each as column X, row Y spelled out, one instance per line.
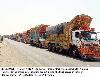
column 10, row 58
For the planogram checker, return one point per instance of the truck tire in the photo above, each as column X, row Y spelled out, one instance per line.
column 82, row 57
column 69, row 52
column 73, row 51
column 40, row 45
column 49, row 47
column 53, row 49
column 57, row 50
column 60, row 50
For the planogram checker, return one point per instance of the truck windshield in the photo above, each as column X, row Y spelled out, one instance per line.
column 43, row 36
column 87, row 35
column 93, row 35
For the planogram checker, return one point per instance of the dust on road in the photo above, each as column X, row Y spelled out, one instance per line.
column 9, row 57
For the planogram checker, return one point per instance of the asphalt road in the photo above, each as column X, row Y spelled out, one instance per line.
column 43, row 58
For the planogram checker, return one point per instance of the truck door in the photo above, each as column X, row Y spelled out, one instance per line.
column 76, row 38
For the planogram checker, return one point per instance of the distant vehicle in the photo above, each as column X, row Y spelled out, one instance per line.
column 38, row 36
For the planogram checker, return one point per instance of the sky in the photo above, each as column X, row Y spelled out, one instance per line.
column 20, row 15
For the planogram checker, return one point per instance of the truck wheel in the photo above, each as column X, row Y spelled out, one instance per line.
column 69, row 52
column 60, row 50
column 40, row 45
column 53, row 49
column 83, row 57
column 74, row 53
column 49, row 48
column 57, row 50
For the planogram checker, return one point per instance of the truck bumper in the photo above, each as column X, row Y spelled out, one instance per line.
column 92, row 58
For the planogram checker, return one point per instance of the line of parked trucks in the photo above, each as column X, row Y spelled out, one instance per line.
column 74, row 38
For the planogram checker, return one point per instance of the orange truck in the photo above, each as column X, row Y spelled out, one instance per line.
column 38, row 36
column 25, row 37
column 74, row 38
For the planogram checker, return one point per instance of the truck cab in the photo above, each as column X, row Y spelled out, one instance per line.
column 86, row 43
column 86, row 38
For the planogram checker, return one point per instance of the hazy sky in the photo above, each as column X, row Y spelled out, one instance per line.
column 21, row 15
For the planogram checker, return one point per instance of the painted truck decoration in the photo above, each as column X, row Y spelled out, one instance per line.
column 74, row 38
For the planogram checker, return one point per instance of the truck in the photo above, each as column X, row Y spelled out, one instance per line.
column 38, row 36
column 75, row 38
column 25, row 37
